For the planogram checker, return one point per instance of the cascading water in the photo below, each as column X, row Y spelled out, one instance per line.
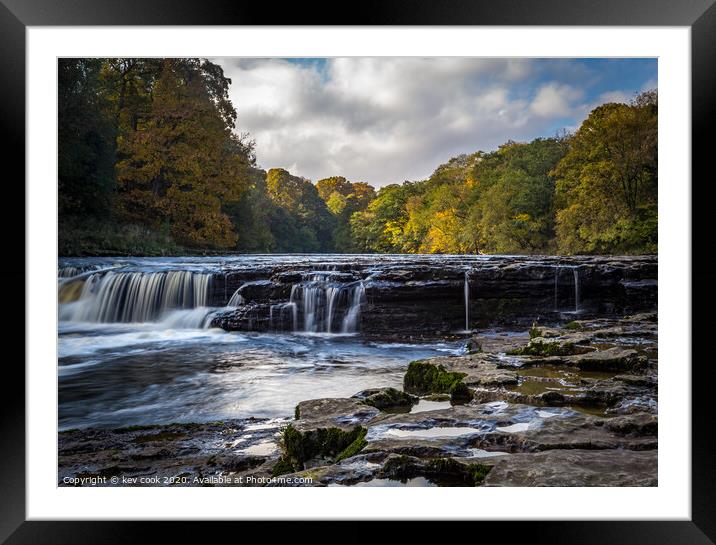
column 137, row 296
column 236, row 299
column 575, row 271
column 281, row 309
column 326, row 303
column 467, row 302
column 352, row 317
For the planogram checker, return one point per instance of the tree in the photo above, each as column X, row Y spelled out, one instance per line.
column 301, row 200
column 513, row 197
column 344, row 198
column 607, row 182
column 379, row 228
column 86, row 140
column 179, row 164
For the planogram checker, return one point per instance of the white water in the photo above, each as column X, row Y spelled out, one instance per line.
column 325, row 304
column 180, row 299
column 137, row 296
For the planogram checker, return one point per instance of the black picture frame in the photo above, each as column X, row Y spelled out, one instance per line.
column 16, row 15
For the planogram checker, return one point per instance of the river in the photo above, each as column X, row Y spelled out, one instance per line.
column 196, row 339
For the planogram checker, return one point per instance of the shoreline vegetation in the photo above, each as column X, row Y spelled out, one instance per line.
column 150, row 163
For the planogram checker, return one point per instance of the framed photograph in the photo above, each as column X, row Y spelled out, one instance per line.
column 419, row 265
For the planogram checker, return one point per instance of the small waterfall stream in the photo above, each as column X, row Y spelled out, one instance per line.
column 467, row 301
column 575, row 271
column 575, row 276
column 321, row 302
column 327, row 306
column 236, row 299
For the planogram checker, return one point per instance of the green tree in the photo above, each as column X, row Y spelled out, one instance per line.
column 299, row 198
column 607, row 187
column 86, row 141
column 513, row 197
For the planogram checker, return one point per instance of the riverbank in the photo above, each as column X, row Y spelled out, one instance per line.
column 571, row 405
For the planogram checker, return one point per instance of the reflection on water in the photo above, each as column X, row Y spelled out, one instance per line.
column 416, row 481
column 113, row 375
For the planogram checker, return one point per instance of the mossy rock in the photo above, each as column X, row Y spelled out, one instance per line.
column 445, row 471
column 282, row 467
column 535, row 331
column 332, row 443
column 427, row 378
column 573, row 326
column 386, row 398
column 538, row 346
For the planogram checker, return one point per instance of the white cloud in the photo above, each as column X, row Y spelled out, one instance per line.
column 615, row 96
column 555, row 100
column 385, row 120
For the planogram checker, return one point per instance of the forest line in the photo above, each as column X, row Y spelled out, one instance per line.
column 149, row 162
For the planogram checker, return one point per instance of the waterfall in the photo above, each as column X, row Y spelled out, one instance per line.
column 576, row 289
column 69, row 271
column 236, row 300
column 324, row 304
column 138, row 296
column 283, row 309
column 575, row 275
column 556, row 277
column 352, row 317
column 467, row 302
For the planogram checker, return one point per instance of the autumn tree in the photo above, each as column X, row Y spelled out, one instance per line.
column 607, row 182
column 180, row 162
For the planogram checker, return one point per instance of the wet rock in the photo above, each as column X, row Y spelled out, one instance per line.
column 554, row 346
column 348, row 472
column 637, row 380
column 637, row 425
column 497, row 342
column 315, row 447
column 247, row 317
column 445, row 471
column 447, row 374
column 575, row 431
column 611, row 359
column 343, row 413
column 172, row 455
column 420, row 298
column 576, row 468
column 426, row 377
column 386, row 398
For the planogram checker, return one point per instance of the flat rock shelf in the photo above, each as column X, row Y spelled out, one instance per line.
column 358, row 370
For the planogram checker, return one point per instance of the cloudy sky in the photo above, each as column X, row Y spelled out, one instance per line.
column 386, row 120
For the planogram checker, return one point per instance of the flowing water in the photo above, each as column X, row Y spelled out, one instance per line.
column 575, row 277
column 136, row 347
column 467, row 302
